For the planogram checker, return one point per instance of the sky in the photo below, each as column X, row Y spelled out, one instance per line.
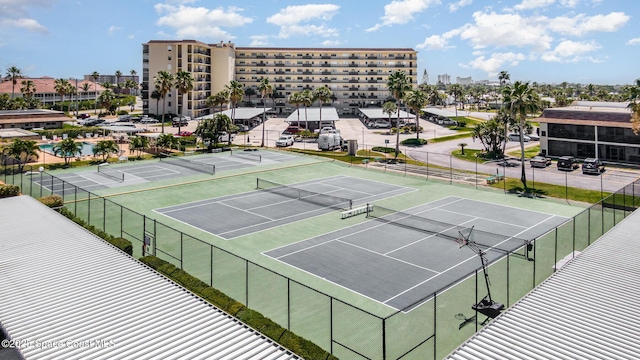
column 544, row 41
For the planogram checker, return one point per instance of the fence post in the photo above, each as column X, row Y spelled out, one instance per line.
column 384, row 338
column 450, row 169
column 288, row 304
column 331, row 324
column 435, row 324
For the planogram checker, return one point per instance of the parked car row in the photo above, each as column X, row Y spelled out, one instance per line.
column 569, row 163
column 525, row 137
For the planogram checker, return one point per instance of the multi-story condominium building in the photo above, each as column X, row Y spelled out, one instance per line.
column 444, row 79
column 590, row 129
column 357, row 77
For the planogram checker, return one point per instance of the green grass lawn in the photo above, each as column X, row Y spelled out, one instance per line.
column 551, row 190
column 529, row 152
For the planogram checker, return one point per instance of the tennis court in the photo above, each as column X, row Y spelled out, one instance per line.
column 400, row 258
column 276, row 204
column 120, row 175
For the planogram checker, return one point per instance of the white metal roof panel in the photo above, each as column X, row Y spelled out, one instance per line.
column 242, row 113
column 329, row 114
column 377, row 113
column 587, row 310
column 70, row 291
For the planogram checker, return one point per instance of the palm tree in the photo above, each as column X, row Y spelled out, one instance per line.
column 21, row 151
column 105, row 148
column 27, row 89
column 133, row 74
column 306, row 97
column 209, row 129
column 265, row 89
column 520, row 100
column 416, row 100
column 167, row 141
column 398, row 84
column 456, row 91
column 503, row 77
column 95, row 75
column 164, row 83
column 139, row 143
column 14, row 74
column 118, row 74
column 222, row 97
column 155, row 95
column 390, row 108
column 296, row 99
column 71, row 90
column 67, row 149
column 106, row 99
column 61, row 86
column 236, row 94
column 183, row 83
column 85, row 88
column 322, row 94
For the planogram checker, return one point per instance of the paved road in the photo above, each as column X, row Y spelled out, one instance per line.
column 438, row 153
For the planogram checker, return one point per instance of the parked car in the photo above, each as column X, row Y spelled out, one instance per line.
column 592, row 166
column 124, row 118
column 567, row 163
column 149, row 120
column 516, row 137
column 180, row 121
column 291, row 129
column 534, row 137
column 185, row 133
column 379, row 124
column 540, row 161
column 83, row 116
column 284, row 140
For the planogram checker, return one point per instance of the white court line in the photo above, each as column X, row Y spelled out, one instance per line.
column 390, row 257
column 490, row 220
column 247, row 211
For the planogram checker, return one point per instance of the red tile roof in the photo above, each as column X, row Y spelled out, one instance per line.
column 44, row 85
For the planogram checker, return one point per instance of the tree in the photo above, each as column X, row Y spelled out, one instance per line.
column 249, row 92
column 322, row 94
column 14, row 74
column 462, row 145
column 67, row 149
column 632, row 94
column 265, row 89
column 106, row 100
column 520, row 100
column 155, row 95
column 167, row 141
column 236, row 93
column 133, row 74
column 398, row 84
column 183, row 83
column 163, row 83
column 296, row 99
column 61, row 86
column 457, row 92
column 503, row 77
column 491, row 135
column 139, row 143
column 118, row 74
column 209, row 129
column 416, row 100
column 21, row 151
column 95, row 75
column 27, row 89
column 390, row 108
column 105, row 148
column 306, row 99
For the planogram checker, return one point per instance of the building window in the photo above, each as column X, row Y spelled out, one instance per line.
column 168, row 66
column 169, row 58
column 168, row 47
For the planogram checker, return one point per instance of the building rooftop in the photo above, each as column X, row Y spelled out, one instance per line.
column 587, row 310
column 82, row 298
column 46, row 85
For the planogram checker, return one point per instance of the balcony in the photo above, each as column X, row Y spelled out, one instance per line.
column 400, row 65
column 279, row 71
column 353, row 96
column 372, row 81
column 278, row 96
column 354, row 105
column 354, row 88
column 307, row 64
column 353, row 56
column 373, row 57
column 326, row 73
column 279, row 56
column 261, row 72
column 307, row 57
column 326, row 80
column 372, row 97
column 373, row 88
column 307, row 80
column 372, row 73
column 307, row 72
column 326, row 57
column 353, row 80
column 353, row 65
column 279, row 64
column 261, row 64
column 261, row 56
column 279, row 80
column 372, row 65
column 353, row 73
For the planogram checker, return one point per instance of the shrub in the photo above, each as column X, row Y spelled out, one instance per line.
column 52, row 201
column 122, row 112
column 122, row 244
column 382, row 149
column 462, row 123
column 414, row 142
column 9, row 191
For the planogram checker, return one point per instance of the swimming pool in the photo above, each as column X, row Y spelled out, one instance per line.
column 87, row 148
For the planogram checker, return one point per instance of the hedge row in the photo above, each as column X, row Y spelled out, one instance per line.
column 9, row 191
column 122, row 244
column 257, row 321
column 414, row 142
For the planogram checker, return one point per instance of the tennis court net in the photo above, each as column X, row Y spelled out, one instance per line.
column 315, row 198
column 246, row 155
column 110, row 173
column 486, row 240
column 191, row 164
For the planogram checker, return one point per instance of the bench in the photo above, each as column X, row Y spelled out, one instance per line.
column 499, row 177
column 491, row 180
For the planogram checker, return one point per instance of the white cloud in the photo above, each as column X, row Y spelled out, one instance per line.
column 402, row 11
column 495, row 63
column 502, row 30
column 459, row 4
column 259, row 40
column 131, row 36
column 15, row 13
column 331, row 43
column 571, row 51
column 569, row 3
column 533, row 4
column 634, row 41
column 581, row 24
column 438, row 42
column 200, row 22
column 113, row 29
column 294, row 20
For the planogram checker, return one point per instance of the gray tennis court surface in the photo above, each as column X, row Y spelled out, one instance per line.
column 137, row 172
column 398, row 265
column 260, row 210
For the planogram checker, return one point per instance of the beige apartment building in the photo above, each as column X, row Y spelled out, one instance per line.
column 357, row 77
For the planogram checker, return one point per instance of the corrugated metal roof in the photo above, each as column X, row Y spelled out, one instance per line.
column 68, row 290
column 587, row 310
column 242, row 113
column 329, row 113
column 376, row 113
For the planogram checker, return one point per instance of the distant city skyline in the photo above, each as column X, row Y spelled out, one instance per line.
column 546, row 41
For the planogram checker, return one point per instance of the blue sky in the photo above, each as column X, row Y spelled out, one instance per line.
column 548, row 41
